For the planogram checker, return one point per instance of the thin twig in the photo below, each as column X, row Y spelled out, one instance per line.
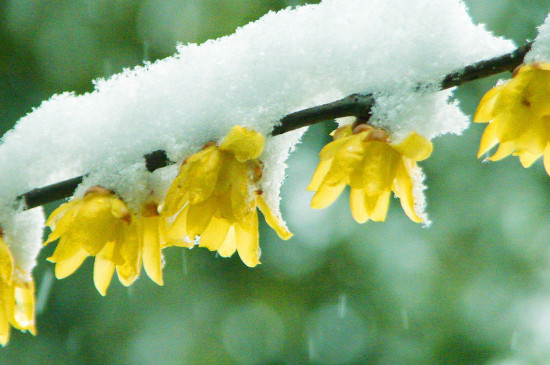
column 355, row 105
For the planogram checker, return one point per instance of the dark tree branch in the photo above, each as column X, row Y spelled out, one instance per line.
column 482, row 69
column 64, row 189
column 355, row 105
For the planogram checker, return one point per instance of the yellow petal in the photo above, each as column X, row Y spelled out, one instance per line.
column 347, row 160
column 377, row 170
column 118, row 208
column 68, row 256
column 64, row 268
column 127, row 274
column 6, row 263
column 104, row 268
column 370, row 202
column 152, row 255
column 330, row 150
column 198, row 217
column 488, row 140
column 547, row 159
column 245, row 144
column 404, row 191
column 242, row 203
column 246, row 234
column 176, row 197
column 214, row 235
column 130, row 249
column 342, row 132
column 202, row 176
column 539, row 89
column 326, row 195
column 62, row 218
column 6, row 307
column 23, row 313
column 504, row 149
column 94, row 225
column 484, row 112
column 177, row 235
column 319, row 175
column 275, row 223
column 527, row 158
column 381, row 207
column 357, row 205
column 229, row 245
column 61, row 211
column 415, row 147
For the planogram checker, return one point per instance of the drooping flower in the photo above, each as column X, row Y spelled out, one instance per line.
column 362, row 158
column 101, row 225
column 16, row 296
column 518, row 113
column 215, row 196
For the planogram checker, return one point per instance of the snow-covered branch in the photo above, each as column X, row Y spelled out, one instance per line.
column 356, row 105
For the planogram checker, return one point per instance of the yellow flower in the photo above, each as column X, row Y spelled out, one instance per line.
column 101, row 225
column 16, row 296
column 215, row 196
column 518, row 113
column 363, row 159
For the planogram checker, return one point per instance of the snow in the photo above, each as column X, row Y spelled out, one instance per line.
column 282, row 63
column 540, row 50
column 23, row 234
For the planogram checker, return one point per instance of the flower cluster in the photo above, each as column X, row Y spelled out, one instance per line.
column 215, row 197
column 518, row 113
column 16, row 296
column 212, row 201
column 101, row 225
column 363, row 158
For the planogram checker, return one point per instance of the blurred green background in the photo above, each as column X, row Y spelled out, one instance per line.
column 474, row 288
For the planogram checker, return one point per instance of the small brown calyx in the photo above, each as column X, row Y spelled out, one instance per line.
column 127, row 218
column 378, row 134
column 362, row 127
column 373, row 133
column 1, row 232
column 255, row 170
column 96, row 189
column 150, row 210
column 208, row 144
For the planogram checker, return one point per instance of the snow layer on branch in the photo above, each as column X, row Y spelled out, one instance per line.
column 23, row 233
column 540, row 51
column 284, row 62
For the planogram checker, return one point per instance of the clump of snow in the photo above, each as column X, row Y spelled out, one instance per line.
column 427, row 114
column 131, row 183
column 417, row 176
column 284, row 62
column 540, row 50
column 276, row 152
column 23, row 234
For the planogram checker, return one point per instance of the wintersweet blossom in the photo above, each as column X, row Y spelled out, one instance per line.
column 215, row 196
column 518, row 113
column 16, row 296
column 101, row 225
column 363, row 158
